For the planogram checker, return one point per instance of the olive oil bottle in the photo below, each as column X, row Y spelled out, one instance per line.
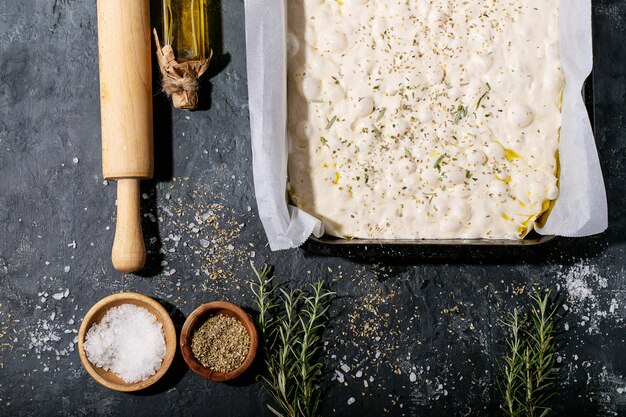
column 186, row 28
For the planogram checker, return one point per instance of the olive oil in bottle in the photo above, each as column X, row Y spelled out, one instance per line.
column 186, row 28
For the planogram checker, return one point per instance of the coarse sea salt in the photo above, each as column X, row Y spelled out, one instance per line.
column 128, row 341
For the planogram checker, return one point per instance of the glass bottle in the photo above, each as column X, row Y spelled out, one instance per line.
column 186, row 28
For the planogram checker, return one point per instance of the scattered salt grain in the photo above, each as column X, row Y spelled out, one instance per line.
column 351, row 400
column 412, row 377
column 66, row 269
column 128, row 341
column 579, row 280
column 339, row 376
column 75, row 160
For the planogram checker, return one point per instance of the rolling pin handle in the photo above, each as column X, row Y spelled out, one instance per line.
column 129, row 251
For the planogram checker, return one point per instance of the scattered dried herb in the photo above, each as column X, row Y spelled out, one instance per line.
column 291, row 323
column 437, row 165
column 381, row 114
column 483, row 96
column 378, row 134
column 221, row 343
column 459, row 113
column 331, row 122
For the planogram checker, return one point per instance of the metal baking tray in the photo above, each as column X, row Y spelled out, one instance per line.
column 317, row 244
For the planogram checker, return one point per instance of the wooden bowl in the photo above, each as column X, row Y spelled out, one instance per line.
column 198, row 318
column 97, row 312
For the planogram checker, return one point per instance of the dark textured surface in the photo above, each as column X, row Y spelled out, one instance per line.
column 423, row 333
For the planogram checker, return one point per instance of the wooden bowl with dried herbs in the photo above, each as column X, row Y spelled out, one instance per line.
column 219, row 341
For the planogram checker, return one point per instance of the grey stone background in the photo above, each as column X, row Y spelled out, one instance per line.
column 413, row 332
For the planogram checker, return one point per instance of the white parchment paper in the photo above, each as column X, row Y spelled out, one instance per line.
column 580, row 210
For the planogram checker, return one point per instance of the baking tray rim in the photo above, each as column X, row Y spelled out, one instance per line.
column 336, row 241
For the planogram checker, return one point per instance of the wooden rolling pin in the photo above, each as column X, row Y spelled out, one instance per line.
column 124, row 46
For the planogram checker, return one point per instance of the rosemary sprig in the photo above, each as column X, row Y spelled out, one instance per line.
column 291, row 324
column 511, row 386
column 527, row 370
column 312, row 320
column 542, row 349
column 263, row 293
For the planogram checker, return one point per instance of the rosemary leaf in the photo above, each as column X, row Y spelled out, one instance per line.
column 331, row 122
column 483, row 96
column 437, row 165
column 381, row 114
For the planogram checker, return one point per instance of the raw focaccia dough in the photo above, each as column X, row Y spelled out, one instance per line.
column 424, row 119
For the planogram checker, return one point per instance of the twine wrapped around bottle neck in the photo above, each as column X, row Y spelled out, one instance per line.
column 180, row 80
